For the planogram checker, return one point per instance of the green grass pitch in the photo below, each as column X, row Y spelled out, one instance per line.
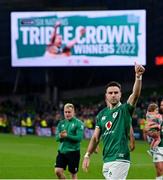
column 32, row 157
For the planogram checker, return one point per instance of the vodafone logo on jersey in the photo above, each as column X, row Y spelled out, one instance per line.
column 108, row 125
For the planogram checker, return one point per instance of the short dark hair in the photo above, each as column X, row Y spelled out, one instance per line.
column 113, row 83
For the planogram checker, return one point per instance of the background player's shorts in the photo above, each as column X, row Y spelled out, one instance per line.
column 158, row 155
column 70, row 159
column 116, row 170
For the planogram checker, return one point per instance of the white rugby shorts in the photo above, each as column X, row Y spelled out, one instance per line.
column 158, row 156
column 116, row 170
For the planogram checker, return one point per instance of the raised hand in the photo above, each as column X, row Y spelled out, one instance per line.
column 57, row 24
column 139, row 69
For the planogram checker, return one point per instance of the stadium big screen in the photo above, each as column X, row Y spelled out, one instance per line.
column 78, row 38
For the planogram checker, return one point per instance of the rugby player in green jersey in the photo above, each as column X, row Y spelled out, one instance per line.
column 70, row 133
column 113, row 126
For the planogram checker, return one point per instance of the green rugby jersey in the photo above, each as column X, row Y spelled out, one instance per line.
column 114, row 126
column 75, row 130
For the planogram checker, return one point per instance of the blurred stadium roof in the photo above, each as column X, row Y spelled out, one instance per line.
column 34, row 79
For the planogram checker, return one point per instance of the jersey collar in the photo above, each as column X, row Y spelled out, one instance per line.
column 116, row 106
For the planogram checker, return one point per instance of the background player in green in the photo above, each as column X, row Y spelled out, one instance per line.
column 152, row 130
column 69, row 133
column 113, row 126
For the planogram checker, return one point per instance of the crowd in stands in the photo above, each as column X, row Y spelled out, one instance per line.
column 35, row 116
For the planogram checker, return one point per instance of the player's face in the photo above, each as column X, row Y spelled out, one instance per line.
column 58, row 40
column 113, row 95
column 68, row 113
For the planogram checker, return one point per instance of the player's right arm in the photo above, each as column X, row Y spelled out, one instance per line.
column 58, row 133
column 91, row 148
column 58, row 24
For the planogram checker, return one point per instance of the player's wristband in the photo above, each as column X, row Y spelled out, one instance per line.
column 139, row 78
column 87, row 155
